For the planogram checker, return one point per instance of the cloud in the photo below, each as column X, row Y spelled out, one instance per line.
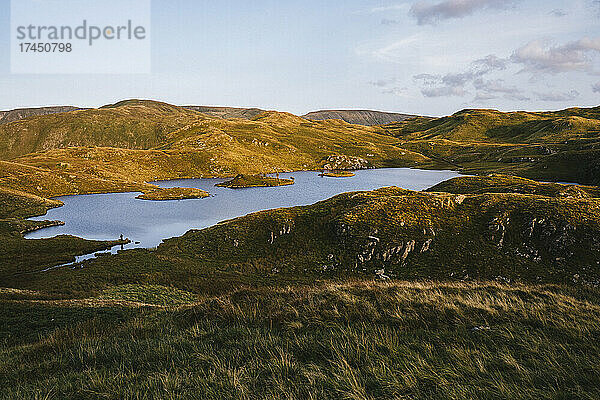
column 558, row 96
column 398, row 91
column 558, row 12
column 596, row 88
column 390, row 86
column 444, row 91
column 386, row 21
column 492, row 89
column 383, row 82
column 539, row 56
column 454, row 84
column 427, row 12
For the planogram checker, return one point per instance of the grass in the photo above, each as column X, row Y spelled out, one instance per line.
column 339, row 174
column 511, row 184
column 163, row 194
column 356, row 340
column 246, row 181
column 149, row 294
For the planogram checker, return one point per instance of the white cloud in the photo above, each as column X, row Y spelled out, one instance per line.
column 539, row 56
column 444, row 91
column 596, row 87
column 454, row 84
column 427, row 12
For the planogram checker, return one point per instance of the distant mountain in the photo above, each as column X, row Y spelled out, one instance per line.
column 358, row 117
column 21, row 113
column 227, row 112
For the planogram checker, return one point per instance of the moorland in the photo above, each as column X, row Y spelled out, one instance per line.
column 484, row 286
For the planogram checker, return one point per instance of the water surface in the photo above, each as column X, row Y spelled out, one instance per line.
column 107, row 216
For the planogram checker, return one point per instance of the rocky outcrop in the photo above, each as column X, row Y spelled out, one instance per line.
column 344, row 162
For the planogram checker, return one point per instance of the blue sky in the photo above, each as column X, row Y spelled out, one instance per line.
column 430, row 57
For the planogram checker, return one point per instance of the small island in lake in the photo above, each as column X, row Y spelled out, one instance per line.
column 161, row 194
column 339, row 174
column 246, row 181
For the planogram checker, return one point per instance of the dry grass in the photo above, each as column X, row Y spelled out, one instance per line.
column 360, row 340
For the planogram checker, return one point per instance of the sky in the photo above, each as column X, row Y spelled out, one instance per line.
column 427, row 57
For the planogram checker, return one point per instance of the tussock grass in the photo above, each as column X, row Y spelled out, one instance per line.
column 357, row 340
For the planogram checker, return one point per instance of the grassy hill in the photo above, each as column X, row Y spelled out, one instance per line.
column 136, row 141
column 21, row 113
column 294, row 303
column 498, row 127
column 554, row 146
column 358, row 117
column 130, row 124
column 227, row 112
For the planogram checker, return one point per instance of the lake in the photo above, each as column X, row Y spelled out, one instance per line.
column 107, row 216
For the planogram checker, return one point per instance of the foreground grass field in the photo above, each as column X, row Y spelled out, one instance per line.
column 356, row 340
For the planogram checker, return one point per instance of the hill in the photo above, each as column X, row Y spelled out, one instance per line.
column 130, row 124
column 358, row 117
column 513, row 184
column 561, row 146
column 227, row 112
column 493, row 126
column 313, row 300
column 21, row 113
column 136, row 141
column 211, row 141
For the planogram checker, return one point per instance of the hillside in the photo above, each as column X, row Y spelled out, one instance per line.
column 137, row 141
column 561, row 146
column 130, row 124
column 227, row 112
column 212, row 141
column 491, row 126
column 21, row 113
column 358, row 117
column 513, row 184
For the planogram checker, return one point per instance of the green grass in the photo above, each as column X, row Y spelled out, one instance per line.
column 360, row 340
column 162, row 194
column 339, row 174
column 246, row 181
column 149, row 294
column 511, row 184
